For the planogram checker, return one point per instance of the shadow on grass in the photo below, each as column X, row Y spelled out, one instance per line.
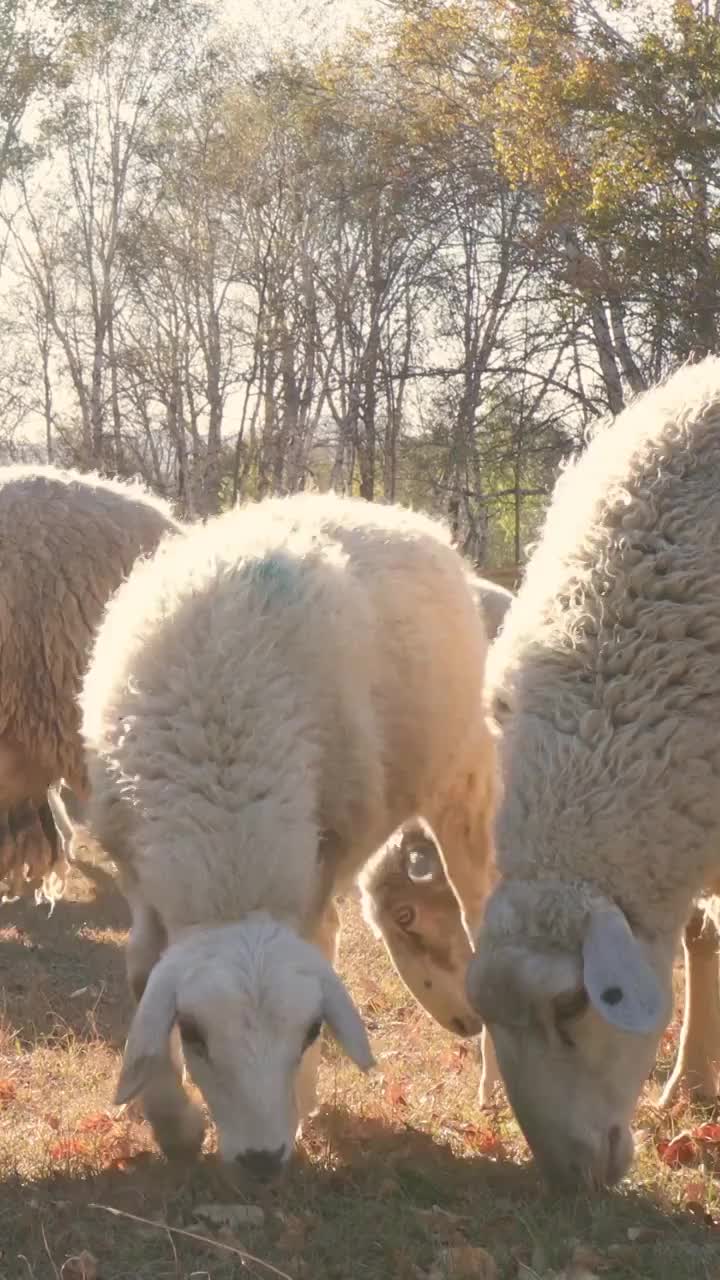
column 364, row 1199
column 63, row 973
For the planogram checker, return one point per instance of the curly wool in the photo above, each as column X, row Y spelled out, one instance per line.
column 607, row 669
column 278, row 684
column 68, row 540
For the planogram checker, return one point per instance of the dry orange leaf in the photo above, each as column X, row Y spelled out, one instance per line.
column 677, row 1151
column 707, row 1132
column 454, row 1060
column 69, row 1149
column 486, row 1143
column 8, row 1090
column 100, row 1123
column 395, row 1094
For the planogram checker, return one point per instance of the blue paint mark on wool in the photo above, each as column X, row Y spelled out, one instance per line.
column 278, row 574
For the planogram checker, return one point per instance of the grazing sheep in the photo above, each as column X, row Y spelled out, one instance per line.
column 264, row 706
column 407, row 901
column 67, row 541
column 605, row 684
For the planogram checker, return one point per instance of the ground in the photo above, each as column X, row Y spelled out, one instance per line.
column 400, row 1177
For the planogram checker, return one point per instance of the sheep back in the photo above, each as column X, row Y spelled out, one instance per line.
column 608, row 662
column 301, row 666
column 67, row 542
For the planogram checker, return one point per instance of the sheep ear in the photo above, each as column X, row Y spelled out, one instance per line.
column 620, row 983
column 148, row 1044
column 344, row 1020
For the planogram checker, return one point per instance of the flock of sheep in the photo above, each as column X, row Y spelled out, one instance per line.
column 308, row 692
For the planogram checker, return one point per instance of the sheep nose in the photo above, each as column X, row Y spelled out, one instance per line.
column 263, row 1163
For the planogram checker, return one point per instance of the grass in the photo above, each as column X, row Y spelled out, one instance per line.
column 400, row 1177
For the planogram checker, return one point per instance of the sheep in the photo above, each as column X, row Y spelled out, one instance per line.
column 408, row 903
column 605, row 690
column 261, row 711
column 67, row 540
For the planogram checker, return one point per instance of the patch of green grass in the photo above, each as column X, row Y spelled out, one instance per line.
column 394, row 1179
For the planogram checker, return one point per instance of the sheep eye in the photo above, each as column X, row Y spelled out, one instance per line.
column 192, row 1036
column 566, row 1008
column 404, row 916
column 312, row 1033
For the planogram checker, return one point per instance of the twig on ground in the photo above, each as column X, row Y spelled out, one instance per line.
column 47, row 1250
column 246, row 1258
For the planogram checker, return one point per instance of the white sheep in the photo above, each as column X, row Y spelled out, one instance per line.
column 67, row 542
column 264, row 706
column 605, row 683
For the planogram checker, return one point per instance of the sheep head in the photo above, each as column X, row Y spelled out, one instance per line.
column 576, row 1003
column 408, row 902
column 248, row 1000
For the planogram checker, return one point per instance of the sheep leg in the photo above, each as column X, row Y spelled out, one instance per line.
column 325, row 937
column 177, row 1123
column 61, row 818
column 490, row 1072
column 699, row 1049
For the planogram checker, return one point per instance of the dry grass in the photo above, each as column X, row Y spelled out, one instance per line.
column 396, row 1177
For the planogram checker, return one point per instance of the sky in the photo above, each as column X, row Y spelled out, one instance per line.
column 273, row 20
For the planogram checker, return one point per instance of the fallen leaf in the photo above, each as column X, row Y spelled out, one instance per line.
column 454, row 1059
column 677, row 1151
column 395, row 1093
column 707, row 1132
column 53, row 1122
column 82, row 1266
column 469, row 1262
column 68, row 1149
column 128, row 1164
column 100, row 1123
column 8, row 1090
column 487, row 1143
column 694, row 1191
column 231, row 1215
